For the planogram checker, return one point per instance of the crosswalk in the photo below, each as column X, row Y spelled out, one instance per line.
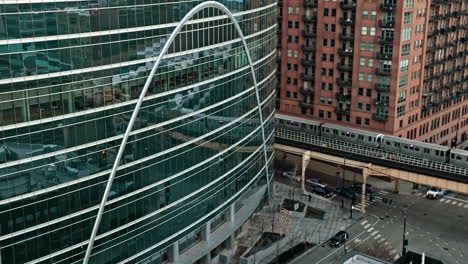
column 378, row 239
column 451, row 201
column 358, row 205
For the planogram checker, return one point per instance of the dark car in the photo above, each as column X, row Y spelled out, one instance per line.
column 346, row 193
column 315, row 183
column 325, row 192
column 338, row 239
column 357, row 187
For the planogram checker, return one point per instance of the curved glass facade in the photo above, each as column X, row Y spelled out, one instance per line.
column 70, row 76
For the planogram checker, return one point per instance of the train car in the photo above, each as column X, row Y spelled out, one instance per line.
column 298, row 124
column 416, row 148
column 351, row 135
column 459, row 158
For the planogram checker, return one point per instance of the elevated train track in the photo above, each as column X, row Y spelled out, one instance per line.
column 371, row 155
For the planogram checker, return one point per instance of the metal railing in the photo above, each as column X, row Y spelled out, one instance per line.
column 368, row 151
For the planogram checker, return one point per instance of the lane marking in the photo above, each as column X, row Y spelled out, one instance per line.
column 370, row 229
column 364, row 222
column 367, row 226
column 443, row 199
column 396, row 256
column 417, row 194
column 458, row 199
column 393, row 251
column 374, row 233
column 460, row 205
column 448, row 201
column 454, row 202
column 466, row 206
column 377, row 236
column 381, row 240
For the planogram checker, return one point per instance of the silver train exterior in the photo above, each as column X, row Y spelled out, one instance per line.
column 434, row 152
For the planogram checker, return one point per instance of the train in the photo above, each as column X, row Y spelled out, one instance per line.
column 418, row 149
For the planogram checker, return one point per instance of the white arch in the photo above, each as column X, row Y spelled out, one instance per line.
column 186, row 18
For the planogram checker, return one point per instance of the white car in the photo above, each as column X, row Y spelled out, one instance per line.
column 435, row 193
column 290, row 175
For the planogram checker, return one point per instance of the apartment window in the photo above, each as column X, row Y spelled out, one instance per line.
column 403, row 81
column 330, row 86
column 404, row 65
column 333, row 28
column 368, row 107
column 362, row 61
column 325, row 27
column 325, row 42
column 359, row 106
column 295, row 95
column 408, row 18
column 361, row 91
column 296, row 24
column 288, row 94
column 372, row 31
column 332, row 43
column 402, row 97
column 332, row 57
column 405, row 49
column 368, row 92
column 358, row 120
column 406, row 34
column 363, row 46
column 289, row 66
column 329, row 115
column 323, row 86
column 364, row 31
column 330, row 101
column 400, row 110
column 295, row 82
column 369, row 78
column 288, row 80
column 321, row 113
column 365, row 14
column 295, row 53
column 361, row 76
column 325, row 11
column 324, row 57
column 290, row 39
column 370, row 62
column 409, row 3
column 298, row 10
column 322, row 99
column 333, row 12
column 290, row 9
column 373, row 15
column 290, row 24
column 366, row 121
column 323, row 72
column 371, row 46
column 289, row 53
column 296, row 67
column 330, row 72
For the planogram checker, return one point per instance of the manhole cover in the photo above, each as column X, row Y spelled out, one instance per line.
column 445, row 248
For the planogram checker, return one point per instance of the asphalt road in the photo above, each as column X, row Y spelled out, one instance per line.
column 439, row 228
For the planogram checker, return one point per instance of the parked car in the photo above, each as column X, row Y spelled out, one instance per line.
column 338, row 239
column 346, row 193
column 290, row 175
column 315, row 183
column 358, row 187
column 435, row 193
column 325, row 192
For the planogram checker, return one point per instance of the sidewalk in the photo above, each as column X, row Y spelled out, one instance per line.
column 295, row 227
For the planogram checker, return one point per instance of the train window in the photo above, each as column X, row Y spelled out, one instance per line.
column 452, row 156
column 353, row 136
column 328, row 130
column 405, row 146
column 459, row 158
column 361, row 137
column 388, row 143
column 343, row 134
column 437, row 153
column 370, row 139
column 417, row 149
column 281, row 121
column 303, row 125
column 426, row 150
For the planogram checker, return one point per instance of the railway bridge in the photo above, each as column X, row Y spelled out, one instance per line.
column 373, row 162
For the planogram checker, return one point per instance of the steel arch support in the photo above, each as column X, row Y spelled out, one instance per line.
column 164, row 50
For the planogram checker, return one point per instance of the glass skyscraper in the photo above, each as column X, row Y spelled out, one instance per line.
column 194, row 167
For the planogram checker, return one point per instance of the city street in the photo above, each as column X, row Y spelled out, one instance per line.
column 436, row 227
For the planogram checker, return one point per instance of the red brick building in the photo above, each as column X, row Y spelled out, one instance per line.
column 392, row 66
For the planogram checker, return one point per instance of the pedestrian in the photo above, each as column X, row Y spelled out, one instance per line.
column 310, row 197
